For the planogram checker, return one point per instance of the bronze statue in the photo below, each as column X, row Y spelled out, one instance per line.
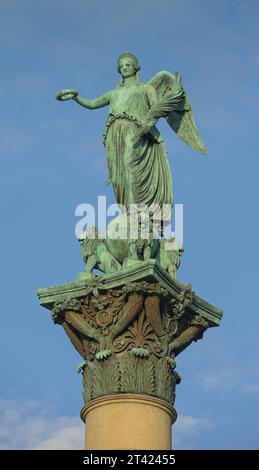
column 137, row 160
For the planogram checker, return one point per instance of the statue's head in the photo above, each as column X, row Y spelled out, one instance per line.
column 128, row 64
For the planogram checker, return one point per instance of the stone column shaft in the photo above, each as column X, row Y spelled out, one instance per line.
column 128, row 421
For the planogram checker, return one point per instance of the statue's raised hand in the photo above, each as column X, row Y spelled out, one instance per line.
column 144, row 129
column 64, row 95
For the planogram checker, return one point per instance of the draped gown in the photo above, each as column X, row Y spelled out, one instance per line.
column 139, row 170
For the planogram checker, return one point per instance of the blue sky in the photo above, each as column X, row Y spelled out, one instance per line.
column 52, row 159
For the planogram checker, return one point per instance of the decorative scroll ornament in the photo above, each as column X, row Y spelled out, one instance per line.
column 129, row 337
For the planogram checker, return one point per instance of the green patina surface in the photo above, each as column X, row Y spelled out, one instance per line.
column 149, row 271
column 129, row 326
column 131, row 322
column 137, row 161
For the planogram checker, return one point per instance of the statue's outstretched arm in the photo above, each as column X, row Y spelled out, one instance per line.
column 68, row 94
column 100, row 102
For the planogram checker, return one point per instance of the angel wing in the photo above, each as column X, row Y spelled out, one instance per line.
column 174, row 105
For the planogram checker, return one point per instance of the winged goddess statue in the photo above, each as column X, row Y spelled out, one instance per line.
column 137, row 160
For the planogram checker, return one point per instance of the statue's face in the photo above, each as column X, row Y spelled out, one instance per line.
column 127, row 67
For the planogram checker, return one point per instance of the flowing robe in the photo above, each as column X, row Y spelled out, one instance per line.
column 139, row 170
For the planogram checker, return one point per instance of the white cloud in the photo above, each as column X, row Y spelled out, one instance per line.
column 251, row 388
column 242, row 377
column 69, row 437
column 190, row 425
column 187, row 428
column 28, row 426
column 225, row 378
